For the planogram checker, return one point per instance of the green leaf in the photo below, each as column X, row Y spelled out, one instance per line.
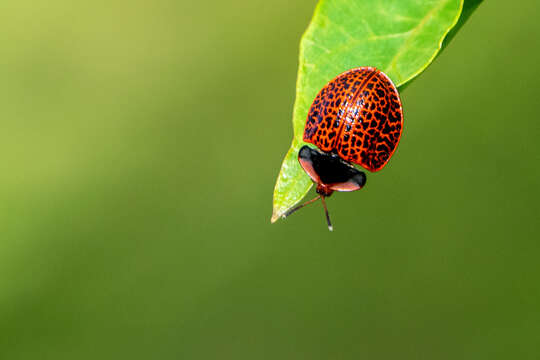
column 399, row 37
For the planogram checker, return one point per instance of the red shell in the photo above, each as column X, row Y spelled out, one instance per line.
column 359, row 116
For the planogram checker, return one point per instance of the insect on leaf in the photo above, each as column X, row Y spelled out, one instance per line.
column 401, row 38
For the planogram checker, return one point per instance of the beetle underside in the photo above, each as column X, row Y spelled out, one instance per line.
column 330, row 173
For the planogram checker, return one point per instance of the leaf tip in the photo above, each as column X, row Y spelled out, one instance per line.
column 275, row 216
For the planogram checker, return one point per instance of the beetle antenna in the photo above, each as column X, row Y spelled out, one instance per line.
column 330, row 227
column 300, row 206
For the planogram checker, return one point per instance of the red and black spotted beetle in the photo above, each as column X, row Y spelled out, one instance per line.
column 356, row 118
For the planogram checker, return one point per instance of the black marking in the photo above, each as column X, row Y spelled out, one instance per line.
column 330, row 168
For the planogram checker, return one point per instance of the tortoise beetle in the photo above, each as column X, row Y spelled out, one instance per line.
column 356, row 118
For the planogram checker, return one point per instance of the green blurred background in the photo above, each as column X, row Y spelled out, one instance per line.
column 140, row 142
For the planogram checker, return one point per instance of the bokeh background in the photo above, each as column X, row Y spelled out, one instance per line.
column 139, row 146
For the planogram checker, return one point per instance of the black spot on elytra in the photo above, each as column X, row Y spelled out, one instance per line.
column 379, row 116
column 389, row 142
column 382, row 147
column 393, row 117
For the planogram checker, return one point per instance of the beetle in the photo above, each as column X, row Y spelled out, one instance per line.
column 356, row 118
